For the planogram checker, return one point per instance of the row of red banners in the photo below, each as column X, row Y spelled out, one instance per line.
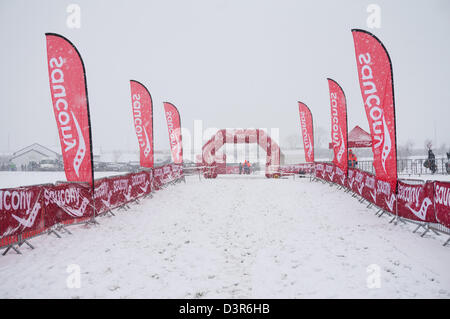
column 376, row 83
column 34, row 209
column 416, row 200
column 68, row 87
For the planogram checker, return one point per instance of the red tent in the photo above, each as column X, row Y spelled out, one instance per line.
column 357, row 138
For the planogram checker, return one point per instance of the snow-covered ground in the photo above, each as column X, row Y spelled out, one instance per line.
column 235, row 237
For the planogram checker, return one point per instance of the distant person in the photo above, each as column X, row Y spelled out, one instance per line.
column 249, row 168
column 431, row 161
column 352, row 159
column 240, row 168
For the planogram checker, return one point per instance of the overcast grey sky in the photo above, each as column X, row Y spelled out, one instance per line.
column 229, row 63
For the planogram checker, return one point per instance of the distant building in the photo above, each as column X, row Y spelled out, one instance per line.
column 33, row 153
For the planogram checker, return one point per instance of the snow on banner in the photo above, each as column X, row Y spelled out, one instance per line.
column 174, row 127
column 377, row 89
column 142, row 107
column 338, row 125
column 70, row 104
column 306, row 125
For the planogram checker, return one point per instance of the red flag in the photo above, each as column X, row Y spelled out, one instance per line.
column 142, row 106
column 377, row 89
column 174, row 126
column 338, row 124
column 70, row 105
column 306, row 125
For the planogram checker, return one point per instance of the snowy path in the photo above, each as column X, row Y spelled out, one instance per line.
column 235, row 238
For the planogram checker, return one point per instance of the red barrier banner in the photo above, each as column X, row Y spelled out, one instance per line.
column 121, row 190
column 70, row 104
column 177, row 171
column 67, row 202
column 442, row 202
column 21, row 210
column 415, row 201
column 351, row 178
column 338, row 125
column 174, row 127
column 375, row 79
column 140, row 184
column 142, row 106
column 102, row 196
column 341, row 176
column 167, row 174
column 329, row 172
column 158, row 177
column 319, row 170
column 307, row 128
column 385, row 196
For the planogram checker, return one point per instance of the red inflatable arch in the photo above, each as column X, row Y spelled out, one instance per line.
column 247, row 136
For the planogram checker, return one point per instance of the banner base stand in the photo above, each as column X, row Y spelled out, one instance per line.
column 64, row 229
column 398, row 218
column 418, row 227
column 382, row 213
column 448, row 241
column 125, row 207
column 427, row 229
column 52, row 231
column 26, row 242
column 92, row 221
column 13, row 248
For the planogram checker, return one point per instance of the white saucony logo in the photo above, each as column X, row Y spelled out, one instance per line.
column 128, row 194
column 81, row 152
column 360, row 188
column 387, row 145
column 32, row 216
column 147, row 144
column 350, row 181
column 390, row 203
column 144, row 189
column 422, row 212
column 374, row 195
column 76, row 212
column 341, row 148
column 331, row 176
column 107, row 202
